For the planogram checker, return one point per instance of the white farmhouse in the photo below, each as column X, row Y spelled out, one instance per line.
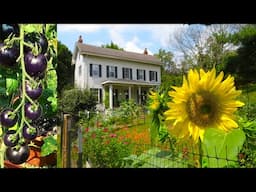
column 115, row 75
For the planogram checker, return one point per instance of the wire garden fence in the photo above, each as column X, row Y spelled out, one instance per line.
column 144, row 155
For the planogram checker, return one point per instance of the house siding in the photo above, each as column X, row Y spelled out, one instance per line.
column 85, row 81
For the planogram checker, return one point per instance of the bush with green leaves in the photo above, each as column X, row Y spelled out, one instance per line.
column 74, row 100
column 104, row 148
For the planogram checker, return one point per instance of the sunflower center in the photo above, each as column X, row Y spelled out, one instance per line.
column 205, row 109
column 202, row 109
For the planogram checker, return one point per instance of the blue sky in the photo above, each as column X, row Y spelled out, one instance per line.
column 131, row 37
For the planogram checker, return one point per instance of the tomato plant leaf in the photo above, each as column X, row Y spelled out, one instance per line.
column 49, row 146
column 53, row 101
column 11, row 85
column 29, row 28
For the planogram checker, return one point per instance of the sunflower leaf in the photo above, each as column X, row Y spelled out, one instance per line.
column 220, row 149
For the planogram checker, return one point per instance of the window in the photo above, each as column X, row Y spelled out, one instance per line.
column 152, row 76
column 111, row 71
column 80, row 70
column 97, row 93
column 127, row 73
column 141, row 74
column 95, row 70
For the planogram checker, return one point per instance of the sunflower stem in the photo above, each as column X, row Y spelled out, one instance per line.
column 200, row 153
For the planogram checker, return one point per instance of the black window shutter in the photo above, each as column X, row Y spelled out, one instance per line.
column 137, row 74
column 123, row 73
column 107, row 71
column 130, row 73
column 156, row 76
column 90, row 70
column 115, row 72
column 150, row 75
column 144, row 75
column 100, row 90
column 99, row 70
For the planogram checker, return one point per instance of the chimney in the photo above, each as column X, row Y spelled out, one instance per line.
column 145, row 51
column 80, row 40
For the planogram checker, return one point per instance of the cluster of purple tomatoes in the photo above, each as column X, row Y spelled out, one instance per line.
column 35, row 67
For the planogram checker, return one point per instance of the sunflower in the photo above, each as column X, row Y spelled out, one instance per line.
column 203, row 101
column 154, row 100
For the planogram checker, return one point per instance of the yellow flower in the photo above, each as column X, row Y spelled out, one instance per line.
column 203, row 101
column 154, row 102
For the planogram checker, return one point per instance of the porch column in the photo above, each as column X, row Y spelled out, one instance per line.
column 111, row 96
column 130, row 92
column 139, row 92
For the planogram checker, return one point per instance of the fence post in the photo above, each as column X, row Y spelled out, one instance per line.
column 66, row 141
column 80, row 148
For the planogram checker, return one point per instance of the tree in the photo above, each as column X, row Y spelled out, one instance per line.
column 112, row 46
column 170, row 75
column 204, row 46
column 65, row 71
column 166, row 57
column 243, row 63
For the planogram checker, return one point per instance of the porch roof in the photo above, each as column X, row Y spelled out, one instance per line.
column 129, row 82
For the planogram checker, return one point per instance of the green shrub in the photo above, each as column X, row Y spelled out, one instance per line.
column 75, row 100
column 104, row 148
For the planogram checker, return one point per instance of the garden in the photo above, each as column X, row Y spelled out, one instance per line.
column 28, row 99
column 204, row 123
column 201, row 116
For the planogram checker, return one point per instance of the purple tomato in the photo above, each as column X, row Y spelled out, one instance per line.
column 8, row 56
column 35, row 64
column 11, row 138
column 33, row 92
column 29, row 133
column 32, row 112
column 8, row 118
column 17, row 155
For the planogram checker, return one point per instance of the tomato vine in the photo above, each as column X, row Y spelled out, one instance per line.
column 27, row 85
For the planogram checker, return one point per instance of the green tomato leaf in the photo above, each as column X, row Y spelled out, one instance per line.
column 4, row 100
column 49, row 146
column 220, row 146
column 11, row 85
column 53, row 101
column 52, row 80
column 29, row 28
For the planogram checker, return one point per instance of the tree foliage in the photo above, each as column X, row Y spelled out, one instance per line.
column 166, row 57
column 204, row 46
column 112, row 46
column 75, row 100
column 243, row 63
column 65, row 71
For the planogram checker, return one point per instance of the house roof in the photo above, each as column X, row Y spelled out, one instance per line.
column 117, row 54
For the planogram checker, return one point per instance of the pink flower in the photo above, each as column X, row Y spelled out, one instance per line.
column 112, row 135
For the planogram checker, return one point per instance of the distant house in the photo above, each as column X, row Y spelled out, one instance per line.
column 115, row 75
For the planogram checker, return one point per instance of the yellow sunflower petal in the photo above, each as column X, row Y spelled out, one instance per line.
column 204, row 100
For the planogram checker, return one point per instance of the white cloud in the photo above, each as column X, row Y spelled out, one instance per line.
column 116, row 37
column 133, row 46
column 160, row 34
column 129, row 45
column 163, row 32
